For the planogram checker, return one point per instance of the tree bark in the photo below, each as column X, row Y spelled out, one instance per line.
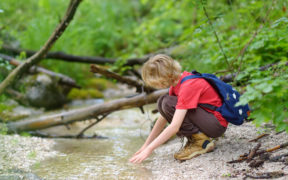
column 125, row 80
column 86, row 113
column 62, row 56
column 43, row 51
column 84, row 59
column 63, row 79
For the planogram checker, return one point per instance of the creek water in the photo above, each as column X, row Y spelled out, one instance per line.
column 100, row 158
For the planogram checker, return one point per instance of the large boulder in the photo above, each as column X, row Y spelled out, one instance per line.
column 43, row 91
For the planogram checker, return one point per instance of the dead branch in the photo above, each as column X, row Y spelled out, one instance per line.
column 258, row 137
column 277, row 147
column 277, row 158
column 266, row 175
column 63, row 79
column 81, row 134
column 85, row 59
column 17, row 72
column 256, row 163
column 245, row 156
column 253, row 152
column 126, row 80
column 62, row 56
column 46, row 135
column 86, row 113
column 74, row 58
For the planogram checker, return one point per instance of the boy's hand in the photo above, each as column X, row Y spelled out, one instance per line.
column 140, row 150
column 141, row 156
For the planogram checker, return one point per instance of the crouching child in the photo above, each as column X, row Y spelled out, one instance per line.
column 189, row 108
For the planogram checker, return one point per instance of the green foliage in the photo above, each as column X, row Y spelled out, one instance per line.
column 3, row 129
column 4, row 108
column 126, row 29
column 267, row 95
column 5, row 67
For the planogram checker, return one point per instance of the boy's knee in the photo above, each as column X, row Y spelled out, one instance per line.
column 169, row 103
column 159, row 102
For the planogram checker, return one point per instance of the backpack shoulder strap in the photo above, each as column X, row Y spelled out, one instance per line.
column 198, row 75
column 195, row 74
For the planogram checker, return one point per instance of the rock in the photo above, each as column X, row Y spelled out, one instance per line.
column 44, row 91
column 15, row 174
column 15, row 111
column 10, row 177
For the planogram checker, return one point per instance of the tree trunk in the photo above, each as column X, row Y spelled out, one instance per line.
column 85, row 113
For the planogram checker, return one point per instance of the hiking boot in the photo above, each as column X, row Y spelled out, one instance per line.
column 200, row 144
column 189, row 143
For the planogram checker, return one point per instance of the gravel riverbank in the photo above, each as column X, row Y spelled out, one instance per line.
column 213, row 165
column 18, row 153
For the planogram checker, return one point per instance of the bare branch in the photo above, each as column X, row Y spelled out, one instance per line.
column 42, row 52
column 129, row 81
column 62, row 78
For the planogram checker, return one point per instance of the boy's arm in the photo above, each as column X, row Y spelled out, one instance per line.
column 158, row 127
column 172, row 129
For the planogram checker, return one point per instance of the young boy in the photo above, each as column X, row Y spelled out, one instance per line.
column 181, row 110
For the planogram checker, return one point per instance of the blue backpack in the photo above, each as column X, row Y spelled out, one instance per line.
column 229, row 96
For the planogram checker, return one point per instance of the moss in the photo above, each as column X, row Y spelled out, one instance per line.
column 5, row 111
column 84, row 94
column 99, row 83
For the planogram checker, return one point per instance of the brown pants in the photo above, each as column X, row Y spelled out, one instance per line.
column 195, row 120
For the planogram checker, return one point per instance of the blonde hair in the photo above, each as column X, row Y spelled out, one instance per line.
column 161, row 71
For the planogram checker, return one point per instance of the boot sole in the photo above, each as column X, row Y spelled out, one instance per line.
column 210, row 147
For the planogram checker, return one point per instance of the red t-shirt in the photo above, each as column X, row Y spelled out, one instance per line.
column 196, row 91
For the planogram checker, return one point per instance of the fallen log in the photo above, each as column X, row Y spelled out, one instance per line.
column 63, row 79
column 84, row 59
column 86, row 113
column 80, row 135
column 126, row 80
column 61, row 56
column 74, row 58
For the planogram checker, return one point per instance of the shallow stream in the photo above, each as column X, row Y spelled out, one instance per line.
column 99, row 158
